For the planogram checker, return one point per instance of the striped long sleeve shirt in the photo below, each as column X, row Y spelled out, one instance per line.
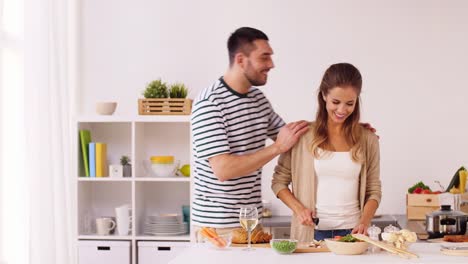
column 224, row 121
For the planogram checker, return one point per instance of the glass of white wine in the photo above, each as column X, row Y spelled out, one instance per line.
column 248, row 218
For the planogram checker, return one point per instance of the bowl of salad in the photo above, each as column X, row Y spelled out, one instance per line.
column 346, row 245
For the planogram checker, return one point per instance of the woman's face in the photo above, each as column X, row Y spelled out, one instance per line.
column 340, row 103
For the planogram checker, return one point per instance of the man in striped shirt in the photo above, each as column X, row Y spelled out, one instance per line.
column 230, row 121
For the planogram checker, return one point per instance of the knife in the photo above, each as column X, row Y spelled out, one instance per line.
column 315, row 220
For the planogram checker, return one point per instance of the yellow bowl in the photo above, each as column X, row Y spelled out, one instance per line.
column 346, row 248
column 162, row 159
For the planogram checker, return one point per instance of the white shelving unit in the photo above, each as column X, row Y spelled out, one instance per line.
column 138, row 137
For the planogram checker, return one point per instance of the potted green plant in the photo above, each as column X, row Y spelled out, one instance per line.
column 178, row 90
column 156, row 89
column 127, row 167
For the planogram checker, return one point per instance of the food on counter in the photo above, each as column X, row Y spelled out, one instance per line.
column 213, row 237
column 456, row 238
column 347, row 238
column 400, row 239
column 284, row 246
column 419, row 188
column 239, row 236
column 455, row 182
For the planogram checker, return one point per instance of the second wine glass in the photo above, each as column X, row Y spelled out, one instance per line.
column 248, row 218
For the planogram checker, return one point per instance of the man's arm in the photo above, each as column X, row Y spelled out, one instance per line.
column 229, row 166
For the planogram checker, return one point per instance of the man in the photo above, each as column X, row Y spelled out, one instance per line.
column 230, row 122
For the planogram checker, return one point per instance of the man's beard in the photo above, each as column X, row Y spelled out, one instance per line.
column 250, row 75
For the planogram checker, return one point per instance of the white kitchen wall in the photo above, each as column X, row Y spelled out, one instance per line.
column 413, row 56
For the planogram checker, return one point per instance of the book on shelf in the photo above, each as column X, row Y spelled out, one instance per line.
column 92, row 159
column 85, row 138
column 101, row 159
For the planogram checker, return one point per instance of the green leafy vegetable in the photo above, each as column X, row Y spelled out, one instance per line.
column 348, row 238
column 420, row 185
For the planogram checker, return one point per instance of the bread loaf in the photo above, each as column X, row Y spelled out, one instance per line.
column 456, row 238
column 240, row 236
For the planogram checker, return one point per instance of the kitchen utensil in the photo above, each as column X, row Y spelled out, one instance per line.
column 400, row 252
column 123, row 219
column 445, row 222
column 104, row 226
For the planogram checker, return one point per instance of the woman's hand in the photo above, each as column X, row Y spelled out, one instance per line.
column 305, row 216
column 360, row 229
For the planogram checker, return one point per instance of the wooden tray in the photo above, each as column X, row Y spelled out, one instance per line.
column 164, row 106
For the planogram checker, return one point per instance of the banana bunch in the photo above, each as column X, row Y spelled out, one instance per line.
column 400, row 239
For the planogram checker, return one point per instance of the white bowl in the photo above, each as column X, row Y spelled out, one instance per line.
column 164, row 170
column 105, row 108
column 346, row 248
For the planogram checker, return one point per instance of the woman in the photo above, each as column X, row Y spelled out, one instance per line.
column 334, row 168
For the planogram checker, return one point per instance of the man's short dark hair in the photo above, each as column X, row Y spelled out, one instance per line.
column 242, row 41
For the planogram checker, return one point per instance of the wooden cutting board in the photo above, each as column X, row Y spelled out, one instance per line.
column 259, row 245
column 302, row 247
column 305, row 248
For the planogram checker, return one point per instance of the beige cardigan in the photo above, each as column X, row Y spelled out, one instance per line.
column 297, row 167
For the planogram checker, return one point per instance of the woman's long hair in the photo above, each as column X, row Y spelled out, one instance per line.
column 338, row 75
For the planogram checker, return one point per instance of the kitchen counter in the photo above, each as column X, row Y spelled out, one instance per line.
column 204, row 253
column 380, row 221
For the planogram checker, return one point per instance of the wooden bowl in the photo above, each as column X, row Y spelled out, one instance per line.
column 346, row 248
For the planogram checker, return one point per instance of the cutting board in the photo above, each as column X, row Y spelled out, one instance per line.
column 259, row 245
column 302, row 247
column 305, row 248
column 454, row 252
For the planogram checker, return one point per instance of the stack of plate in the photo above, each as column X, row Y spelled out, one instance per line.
column 165, row 225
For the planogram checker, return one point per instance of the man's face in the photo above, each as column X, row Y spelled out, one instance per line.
column 258, row 63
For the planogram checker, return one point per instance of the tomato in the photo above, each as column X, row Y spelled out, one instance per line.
column 426, row 192
column 437, row 192
column 418, row 190
column 337, row 237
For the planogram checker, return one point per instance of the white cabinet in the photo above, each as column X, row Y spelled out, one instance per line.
column 139, row 138
column 159, row 252
column 98, row 252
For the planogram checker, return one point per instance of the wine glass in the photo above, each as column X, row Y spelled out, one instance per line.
column 248, row 218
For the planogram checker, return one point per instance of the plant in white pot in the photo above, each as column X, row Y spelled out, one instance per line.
column 127, row 167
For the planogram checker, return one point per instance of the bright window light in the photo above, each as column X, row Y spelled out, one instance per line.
column 13, row 194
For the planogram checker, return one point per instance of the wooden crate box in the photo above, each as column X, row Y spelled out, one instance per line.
column 418, row 205
column 164, row 106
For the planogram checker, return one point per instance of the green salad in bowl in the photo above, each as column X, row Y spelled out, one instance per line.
column 283, row 246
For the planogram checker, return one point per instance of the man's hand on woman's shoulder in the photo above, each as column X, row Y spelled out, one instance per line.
column 290, row 134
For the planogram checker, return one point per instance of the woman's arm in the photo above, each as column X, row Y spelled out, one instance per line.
column 367, row 214
column 304, row 215
column 373, row 186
